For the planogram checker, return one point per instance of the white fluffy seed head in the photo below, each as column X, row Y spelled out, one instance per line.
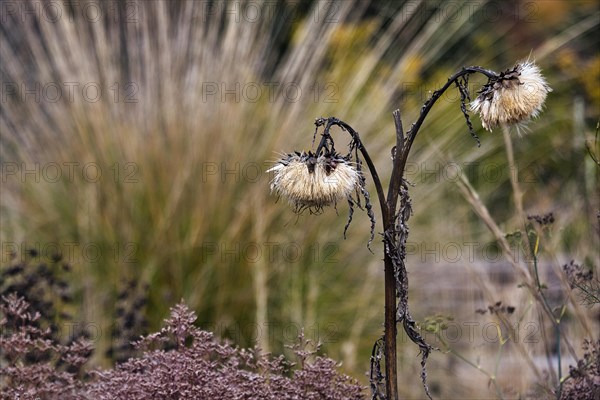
column 514, row 97
column 310, row 182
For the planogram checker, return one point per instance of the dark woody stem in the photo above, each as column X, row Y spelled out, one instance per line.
column 395, row 232
column 403, row 144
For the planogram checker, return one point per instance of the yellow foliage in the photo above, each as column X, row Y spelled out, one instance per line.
column 585, row 72
column 590, row 77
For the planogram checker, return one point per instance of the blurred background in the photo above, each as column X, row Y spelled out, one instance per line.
column 136, row 136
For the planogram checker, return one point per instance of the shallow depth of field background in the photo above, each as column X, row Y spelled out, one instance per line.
column 135, row 139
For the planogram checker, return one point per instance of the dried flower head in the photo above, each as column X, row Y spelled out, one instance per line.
column 312, row 182
column 513, row 97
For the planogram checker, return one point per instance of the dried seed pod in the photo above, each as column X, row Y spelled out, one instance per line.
column 312, row 182
column 513, row 97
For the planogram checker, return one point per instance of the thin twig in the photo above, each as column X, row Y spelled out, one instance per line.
column 513, row 173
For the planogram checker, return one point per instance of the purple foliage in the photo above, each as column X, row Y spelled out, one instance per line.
column 584, row 379
column 178, row 362
column 30, row 357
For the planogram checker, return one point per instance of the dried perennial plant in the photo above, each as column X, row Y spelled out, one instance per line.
column 312, row 181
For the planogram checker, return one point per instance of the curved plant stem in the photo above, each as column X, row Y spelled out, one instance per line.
column 395, row 233
column 331, row 121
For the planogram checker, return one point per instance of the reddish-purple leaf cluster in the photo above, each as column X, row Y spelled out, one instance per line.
column 583, row 382
column 195, row 367
column 30, row 357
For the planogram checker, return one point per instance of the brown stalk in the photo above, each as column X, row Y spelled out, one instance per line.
column 395, row 233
